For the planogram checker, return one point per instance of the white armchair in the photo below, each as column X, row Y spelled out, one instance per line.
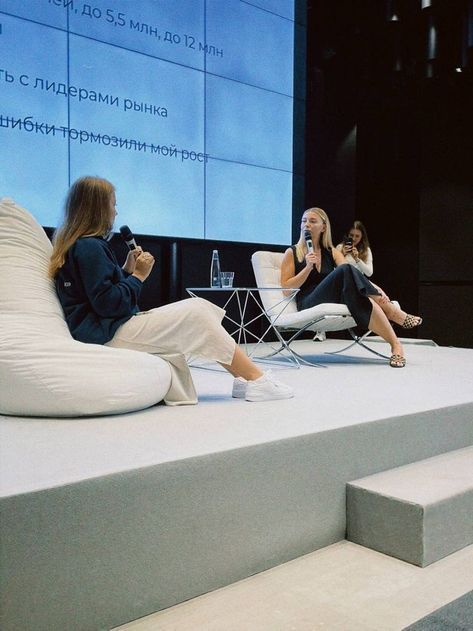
column 321, row 318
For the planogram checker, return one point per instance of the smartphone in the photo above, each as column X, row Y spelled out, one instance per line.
column 348, row 241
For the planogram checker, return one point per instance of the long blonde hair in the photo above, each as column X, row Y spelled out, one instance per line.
column 87, row 211
column 326, row 236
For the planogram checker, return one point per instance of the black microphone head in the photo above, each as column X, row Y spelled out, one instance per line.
column 126, row 233
column 308, row 240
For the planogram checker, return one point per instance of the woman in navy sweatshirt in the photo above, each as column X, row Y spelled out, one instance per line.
column 100, row 302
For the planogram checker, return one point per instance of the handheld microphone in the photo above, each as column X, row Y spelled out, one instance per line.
column 128, row 237
column 308, row 241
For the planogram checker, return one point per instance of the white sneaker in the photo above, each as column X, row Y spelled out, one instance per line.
column 267, row 388
column 239, row 388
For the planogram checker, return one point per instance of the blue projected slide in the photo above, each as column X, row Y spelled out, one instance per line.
column 185, row 105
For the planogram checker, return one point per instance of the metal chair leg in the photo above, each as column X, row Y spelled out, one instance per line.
column 360, row 341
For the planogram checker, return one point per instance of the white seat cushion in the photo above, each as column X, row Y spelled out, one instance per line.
column 43, row 370
column 323, row 311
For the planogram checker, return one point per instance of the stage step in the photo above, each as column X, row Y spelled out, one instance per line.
column 419, row 512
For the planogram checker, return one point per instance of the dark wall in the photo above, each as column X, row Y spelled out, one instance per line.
column 331, row 114
column 446, row 211
column 375, row 68
column 388, row 186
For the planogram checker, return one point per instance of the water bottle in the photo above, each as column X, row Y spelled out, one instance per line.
column 215, row 270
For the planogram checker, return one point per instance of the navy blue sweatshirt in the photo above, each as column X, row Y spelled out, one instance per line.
column 96, row 295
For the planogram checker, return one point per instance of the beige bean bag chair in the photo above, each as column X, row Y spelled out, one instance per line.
column 43, row 370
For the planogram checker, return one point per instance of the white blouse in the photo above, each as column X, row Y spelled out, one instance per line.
column 365, row 268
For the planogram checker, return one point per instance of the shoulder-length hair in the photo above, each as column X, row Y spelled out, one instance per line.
column 87, row 212
column 364, row 244
column 325, row 237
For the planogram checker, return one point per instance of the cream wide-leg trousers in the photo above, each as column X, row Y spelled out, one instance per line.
column 188, row 327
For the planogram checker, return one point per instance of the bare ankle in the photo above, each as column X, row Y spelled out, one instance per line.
column 395, row 314
column 253, row 375
column 397, row 349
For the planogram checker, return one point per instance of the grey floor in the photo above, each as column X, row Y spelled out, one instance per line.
column 343, row 587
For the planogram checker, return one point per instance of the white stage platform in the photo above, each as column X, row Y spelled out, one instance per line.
column 108, row 519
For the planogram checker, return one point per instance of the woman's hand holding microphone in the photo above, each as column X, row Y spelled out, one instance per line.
column 138, row 263
column 143, row 265
column 311, row 260
column 129, row 266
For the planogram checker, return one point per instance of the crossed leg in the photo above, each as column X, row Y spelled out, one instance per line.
column 394, row 313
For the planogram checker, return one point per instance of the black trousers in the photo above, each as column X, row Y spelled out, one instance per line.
column 347, row 286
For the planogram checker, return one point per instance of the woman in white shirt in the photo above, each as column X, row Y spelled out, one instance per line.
column 358, row 252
